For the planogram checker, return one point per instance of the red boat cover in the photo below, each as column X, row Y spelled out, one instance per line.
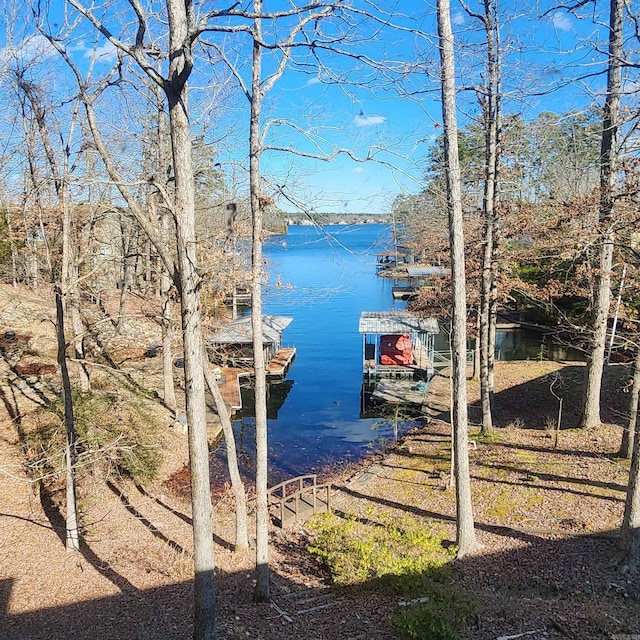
column 396, row 349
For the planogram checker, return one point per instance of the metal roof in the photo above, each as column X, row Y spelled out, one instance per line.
column 395, row 322
column 421, row 271
column 239, row 331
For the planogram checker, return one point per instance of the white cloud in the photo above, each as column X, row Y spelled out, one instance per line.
column 106, row 52
column 458, row 19
column 311, row 81
column 561, row 21
column 30, row 49
column 357, row 170
column 368, row 121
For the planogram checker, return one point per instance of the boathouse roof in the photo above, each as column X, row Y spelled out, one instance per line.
column 422, row 271
column 395, row 322
column 239, row 331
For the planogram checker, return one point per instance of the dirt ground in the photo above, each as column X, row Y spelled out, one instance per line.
column 547, row 507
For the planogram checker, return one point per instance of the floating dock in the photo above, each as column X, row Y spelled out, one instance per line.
column 400, row 392
column 281, row 362
column 229, row 384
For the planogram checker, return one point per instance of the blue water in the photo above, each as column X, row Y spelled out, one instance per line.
column 323, row 279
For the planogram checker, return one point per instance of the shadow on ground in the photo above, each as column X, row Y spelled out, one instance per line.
column 532, row 404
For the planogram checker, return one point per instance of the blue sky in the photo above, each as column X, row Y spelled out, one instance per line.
column 348, row 106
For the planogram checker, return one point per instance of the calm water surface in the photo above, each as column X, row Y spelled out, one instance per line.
column 323, row 279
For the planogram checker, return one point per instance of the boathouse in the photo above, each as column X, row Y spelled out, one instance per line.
column 233, row 345
column 418, row 275
column 397, row 344
column 391, row 258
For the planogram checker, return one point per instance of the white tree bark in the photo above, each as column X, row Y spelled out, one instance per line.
column 180, row 17
column 262, row 455
column 465, row 531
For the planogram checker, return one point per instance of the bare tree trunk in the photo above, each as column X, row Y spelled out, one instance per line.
column 126, row 242
column 169, row 394
column 180, row 18
column 73, row 538
column 70, row 277
column 162, row 212
column 239, row 494
column 608, row 168
column 490, row 103
column 628, row 434
column 485, row 293
column 466, row 540
column 262, row 516
column 12, row 245
column 630, row 539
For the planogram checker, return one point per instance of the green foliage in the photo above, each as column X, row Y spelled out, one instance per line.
column 401, row 554
column 108, row 430
column 393, row 548
column 438, row 615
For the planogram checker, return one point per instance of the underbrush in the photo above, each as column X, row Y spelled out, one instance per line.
column 400, row 555
column 114, row 435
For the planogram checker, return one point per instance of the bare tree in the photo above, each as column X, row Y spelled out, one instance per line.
column 466, row 539
column 182, row 32
column 64, row 275
column 606, row 218
column 629, row 432
column 490, row 102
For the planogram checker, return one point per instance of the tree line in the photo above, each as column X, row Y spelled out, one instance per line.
column 114, row 179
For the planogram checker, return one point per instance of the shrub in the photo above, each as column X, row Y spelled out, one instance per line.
column 402, row 554
column 109, row 430
column 439, row 615
column 355, row 552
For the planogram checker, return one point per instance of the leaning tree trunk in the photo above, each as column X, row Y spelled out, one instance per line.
column 262, row 515
column 628, row 434
column 176, row 92
column 465, row 538
column 608, row 168
column 239, row 494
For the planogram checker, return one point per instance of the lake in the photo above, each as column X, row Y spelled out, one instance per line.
column 324, row 278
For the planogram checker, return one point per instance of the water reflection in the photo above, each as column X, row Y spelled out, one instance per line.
column 324, row 279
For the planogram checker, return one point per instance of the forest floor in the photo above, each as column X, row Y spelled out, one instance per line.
column 547, row 504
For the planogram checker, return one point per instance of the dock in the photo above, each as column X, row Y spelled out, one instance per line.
column 281, row 362
column 404, row 293
column 400, row 392
column 229, row 385
column 230, row 377
column 422, row 364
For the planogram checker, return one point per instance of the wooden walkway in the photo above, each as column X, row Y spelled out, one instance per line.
column 401, row 391
column 297, row 499
column 230, row 384
column 281, row 362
